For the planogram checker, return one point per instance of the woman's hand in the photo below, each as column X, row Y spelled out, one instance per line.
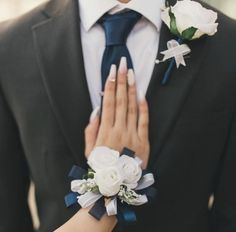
column 124, row 122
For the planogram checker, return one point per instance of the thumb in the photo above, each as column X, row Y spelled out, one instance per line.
column 91, row 131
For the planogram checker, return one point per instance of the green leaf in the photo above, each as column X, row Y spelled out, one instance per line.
column 95, row 189
column 90, row 174
column 189, row 33
column 173, row 25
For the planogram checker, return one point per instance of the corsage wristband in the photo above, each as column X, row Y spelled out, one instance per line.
column 113, row 184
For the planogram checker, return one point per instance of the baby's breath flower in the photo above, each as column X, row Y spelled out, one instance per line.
column 127, row 195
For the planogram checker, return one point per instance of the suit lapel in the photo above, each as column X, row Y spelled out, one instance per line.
column 59, row 54
column 166, row 102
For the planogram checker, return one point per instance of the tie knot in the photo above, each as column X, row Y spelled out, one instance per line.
column 118, row 26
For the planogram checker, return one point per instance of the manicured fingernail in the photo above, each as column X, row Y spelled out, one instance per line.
column 94, row 114
column 123, row 65
column 112, row 74
column 141, row 96
column 131, row 78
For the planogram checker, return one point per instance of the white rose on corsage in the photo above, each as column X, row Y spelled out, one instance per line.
column 108, row 181
column 131, row 171
column 190, row 20
column 103, row 157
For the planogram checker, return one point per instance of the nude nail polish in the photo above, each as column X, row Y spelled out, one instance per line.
column 131, row 77
column 94, row 114
column 112, row 74
column 141, row 96
column 123, row 65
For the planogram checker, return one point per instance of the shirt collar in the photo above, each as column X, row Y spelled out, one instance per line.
column 92, row 10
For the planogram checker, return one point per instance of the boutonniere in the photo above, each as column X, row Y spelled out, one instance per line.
column 187, row 20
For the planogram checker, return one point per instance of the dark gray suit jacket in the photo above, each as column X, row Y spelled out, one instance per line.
column 45, row 106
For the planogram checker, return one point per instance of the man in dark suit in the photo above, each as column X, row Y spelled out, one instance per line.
column 45, row 106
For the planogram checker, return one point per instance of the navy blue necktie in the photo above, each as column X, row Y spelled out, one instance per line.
column 117, row 27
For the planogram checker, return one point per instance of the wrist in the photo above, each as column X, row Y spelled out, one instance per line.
column 86, row 222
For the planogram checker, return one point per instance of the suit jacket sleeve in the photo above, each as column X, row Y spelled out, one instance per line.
column 14, row 176
column 223, row 215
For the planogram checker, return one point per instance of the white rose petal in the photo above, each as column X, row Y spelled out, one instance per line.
column 192, row 14
column 109, row 181
column 103, row 157
column 131, row 171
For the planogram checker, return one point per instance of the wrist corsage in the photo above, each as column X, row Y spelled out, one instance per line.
column 113, row 184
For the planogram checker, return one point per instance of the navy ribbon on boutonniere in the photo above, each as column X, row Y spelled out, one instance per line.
column 175, row 52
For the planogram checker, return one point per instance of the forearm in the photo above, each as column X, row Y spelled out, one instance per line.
column 82, row 221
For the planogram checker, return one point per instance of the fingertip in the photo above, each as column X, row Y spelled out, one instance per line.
column 131, row 78
column 112, row 74
column 111, row 80
column 95, row 122
column 143, row 110
column 123, row 65
column 95, row 114
column 122, row 74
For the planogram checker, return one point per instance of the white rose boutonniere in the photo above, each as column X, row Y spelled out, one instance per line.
column 187, row 20
column 190, row 20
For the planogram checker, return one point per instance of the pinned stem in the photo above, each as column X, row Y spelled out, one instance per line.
column 170, row 68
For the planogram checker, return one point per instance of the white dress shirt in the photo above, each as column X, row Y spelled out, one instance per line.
column 142, row 42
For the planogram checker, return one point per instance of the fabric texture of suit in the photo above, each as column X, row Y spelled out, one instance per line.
column 45, row 106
